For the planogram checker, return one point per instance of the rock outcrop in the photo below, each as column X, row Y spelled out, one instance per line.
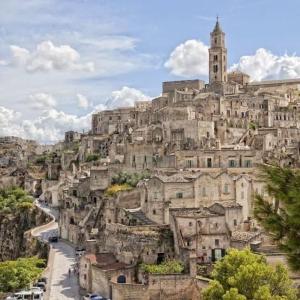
column 14, row 242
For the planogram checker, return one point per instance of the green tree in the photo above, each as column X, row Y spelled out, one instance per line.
column 14, row 198
column 20, row 273
column 243, row 275
column 281, row 218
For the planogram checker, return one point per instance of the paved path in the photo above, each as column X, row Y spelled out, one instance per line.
column 61, row 286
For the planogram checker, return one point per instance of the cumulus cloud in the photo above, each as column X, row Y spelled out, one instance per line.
column 47, row 57
column 49, row 127
column 51, row 124
column 83, row 102
column 264, row 65
column 189, row 59
column 125, row 97
column 42, row 101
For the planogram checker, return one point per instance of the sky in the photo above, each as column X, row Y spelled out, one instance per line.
column 63, row 60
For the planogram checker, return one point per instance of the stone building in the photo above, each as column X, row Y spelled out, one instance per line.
column 201, row 143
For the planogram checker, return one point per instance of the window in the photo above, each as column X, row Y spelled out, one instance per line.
column 119, row 117
column 215, row 68
column 217, row 242
column 204, row 192
column 190, row 224
column 215, row 57
column 179, row 195
column 216, row 225
column 231, row 163
column 189, row 163
column 209, row 162
column 234, row 222
column 248, row 163
column 203, row 247
column 154, row 212
column 84, row 276
column 110, row 118
column 226, row 188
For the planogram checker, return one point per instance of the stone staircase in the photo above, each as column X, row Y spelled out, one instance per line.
column 140, row 215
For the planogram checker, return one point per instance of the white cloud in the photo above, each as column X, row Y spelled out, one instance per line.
column 42, row 101
column 264, row 65
column 51, row 124
column 49, row 57
column 189, row 59
column 125, row 97
column 83, row 102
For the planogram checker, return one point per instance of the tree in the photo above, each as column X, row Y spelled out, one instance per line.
column 14, row 199
column 20, row 273
column 281, row 218
column 243, row 275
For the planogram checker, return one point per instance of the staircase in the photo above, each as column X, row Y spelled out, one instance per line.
column 140, row 216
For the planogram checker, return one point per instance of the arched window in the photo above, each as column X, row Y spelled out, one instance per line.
column 215, row 68
column 121, row 279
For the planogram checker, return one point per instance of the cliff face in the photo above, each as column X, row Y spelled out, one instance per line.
column 13, row 240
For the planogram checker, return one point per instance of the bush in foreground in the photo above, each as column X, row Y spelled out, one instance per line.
column 20, row 273
column 243, row 275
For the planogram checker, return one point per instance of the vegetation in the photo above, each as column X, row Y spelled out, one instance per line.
column 41, row 160
column 129, row 179
column 18, row 274
column 92, row 157
column 115, row 188
column 243, row 275
column 252, row 125
column 167, row 267
column 282, row 219
column 14, row 198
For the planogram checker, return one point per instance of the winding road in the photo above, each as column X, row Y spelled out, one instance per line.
column 61, row 285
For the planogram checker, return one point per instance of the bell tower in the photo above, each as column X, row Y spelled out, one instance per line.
column 217, row 56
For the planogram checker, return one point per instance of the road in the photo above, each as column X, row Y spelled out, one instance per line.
column 61, row 285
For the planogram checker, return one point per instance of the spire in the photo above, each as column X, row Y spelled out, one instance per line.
column 217, row 28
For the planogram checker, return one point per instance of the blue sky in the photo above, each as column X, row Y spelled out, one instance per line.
column 61, row 60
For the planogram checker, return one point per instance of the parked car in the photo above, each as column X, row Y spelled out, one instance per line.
column 41, row 285
column 79, row 251
column 92, row 297
column 33, row 294
column 53, row 239
column 43, row 279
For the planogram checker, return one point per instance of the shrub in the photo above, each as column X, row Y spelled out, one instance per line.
column 92, row 157
column 167, row 267
column 20, row 273
column 115, row 188
column 130, row 179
